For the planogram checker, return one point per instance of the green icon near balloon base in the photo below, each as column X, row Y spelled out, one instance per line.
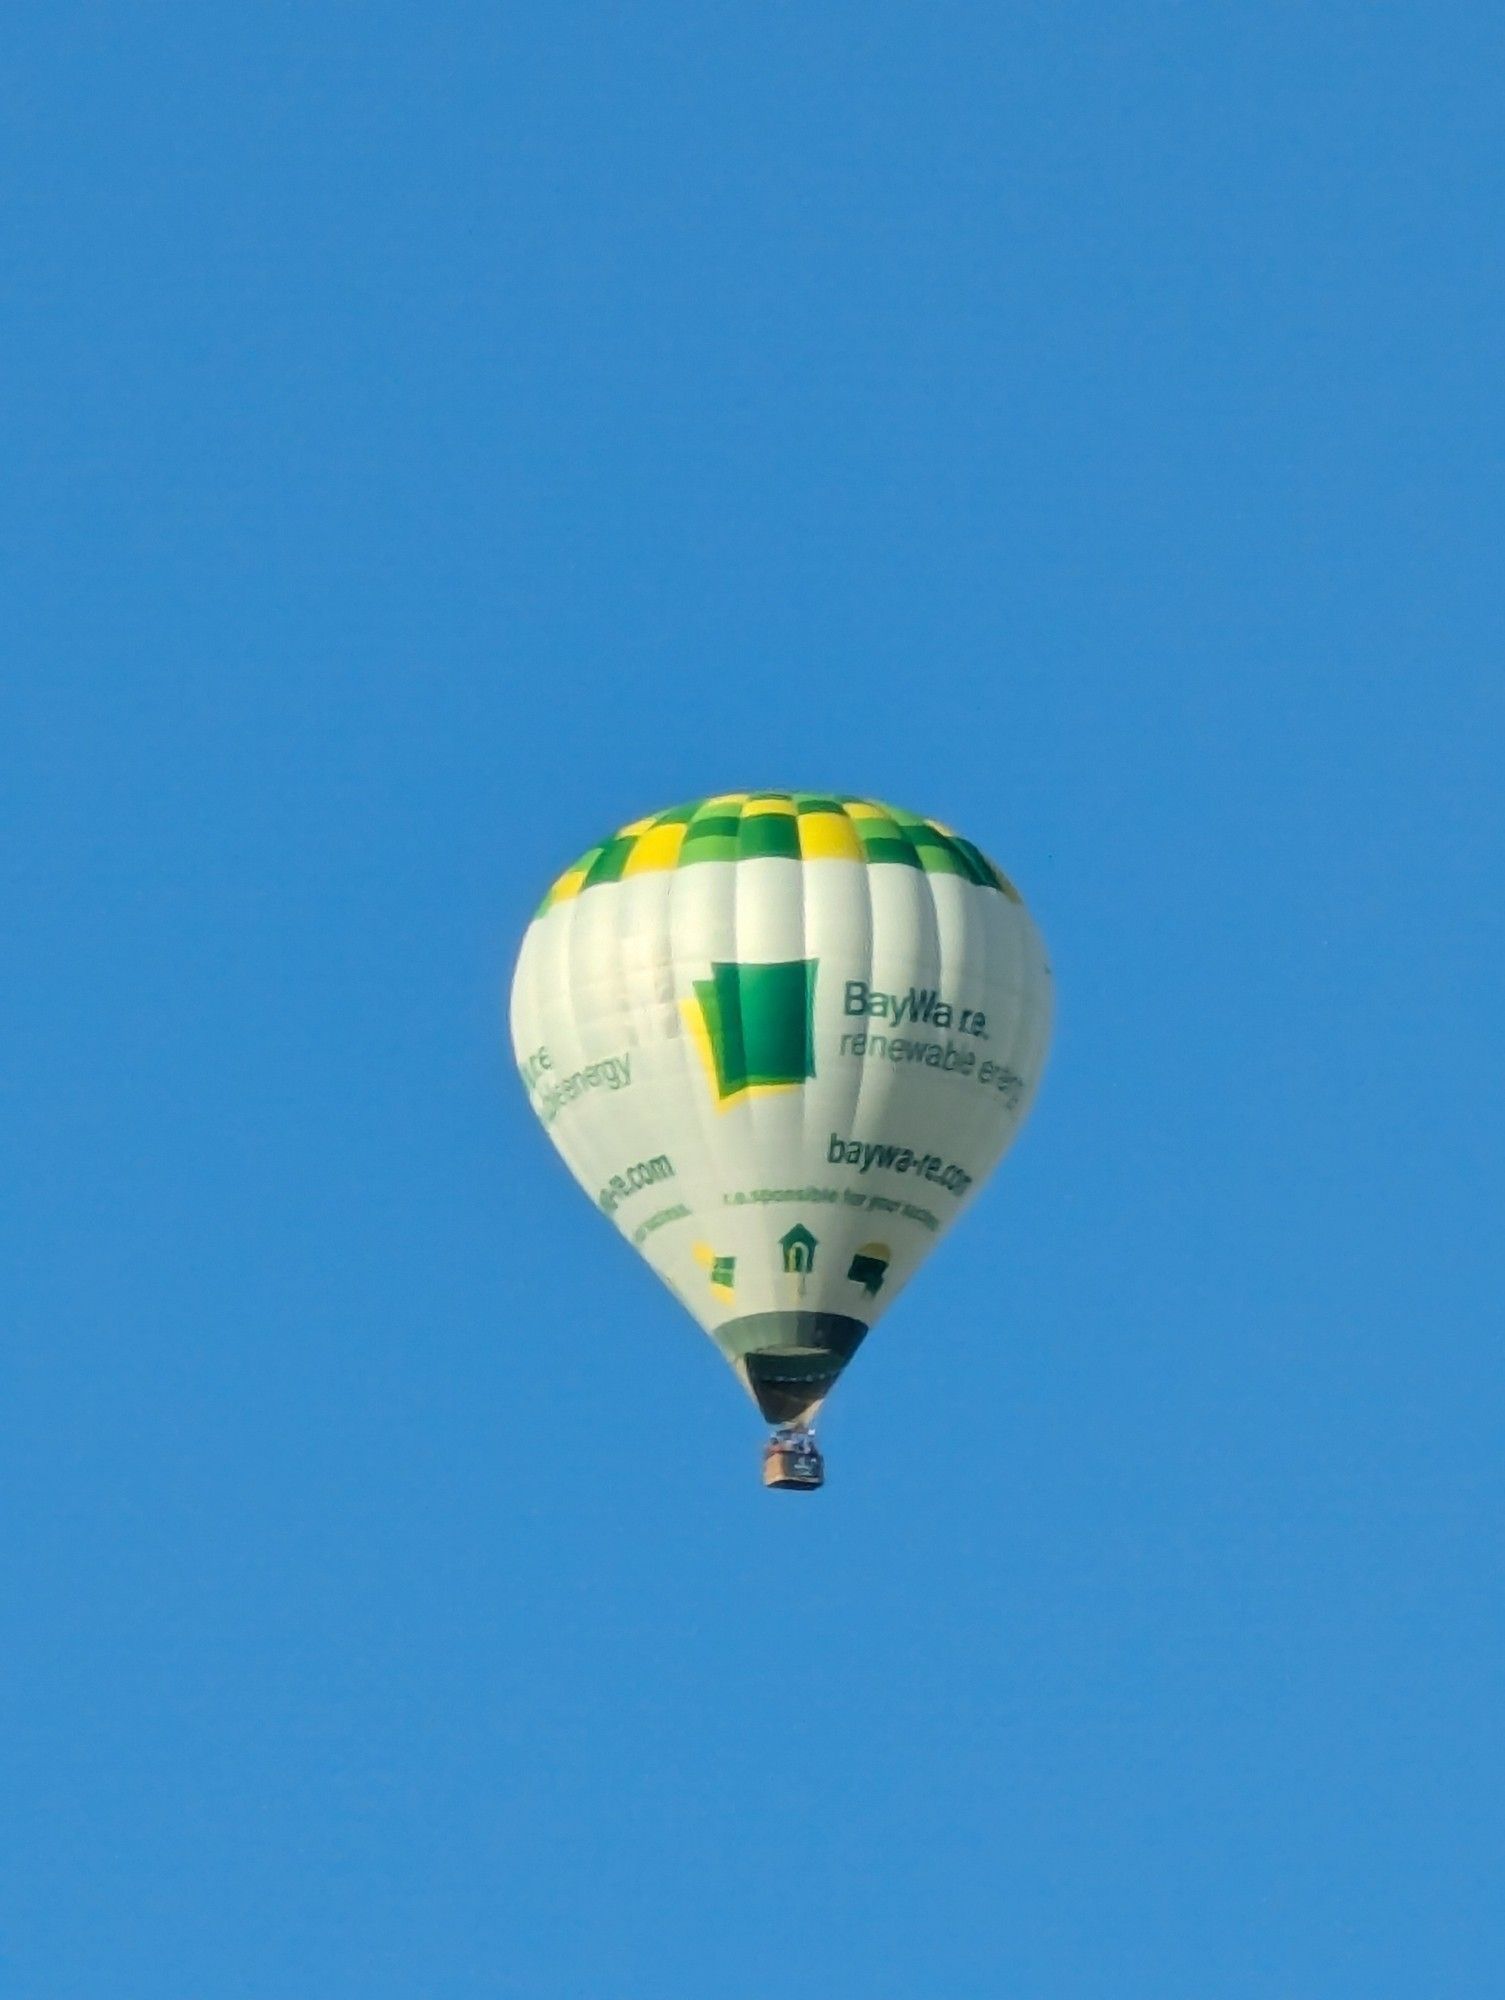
column 720, row 1271
column 869, row 1267
column 798, row 1246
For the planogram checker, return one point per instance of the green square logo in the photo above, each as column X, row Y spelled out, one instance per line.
column 756, row 1025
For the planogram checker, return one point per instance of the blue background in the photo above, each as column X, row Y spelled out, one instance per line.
column 433, row 435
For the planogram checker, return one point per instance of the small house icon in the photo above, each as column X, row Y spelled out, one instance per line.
column 798, row 1246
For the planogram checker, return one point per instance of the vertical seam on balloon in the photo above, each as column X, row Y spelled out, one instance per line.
column 937, row 958
column 638, row 1120
column 988, row 911
column 981, row 904
column 848, row 1115
column 1033, row 989
column 863, row 1067
column 586, row 1172
column 682, row 883
column 752, row 1104
column 1042, row 1020
column 811, row 1003
column 566, row 1018
column 1018, row 1024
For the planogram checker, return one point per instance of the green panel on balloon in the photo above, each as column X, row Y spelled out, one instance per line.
column 760, row 1024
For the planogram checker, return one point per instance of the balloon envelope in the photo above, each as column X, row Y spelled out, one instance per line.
column 780, row 1039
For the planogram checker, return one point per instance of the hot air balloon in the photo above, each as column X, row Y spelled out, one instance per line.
column 780, row 1039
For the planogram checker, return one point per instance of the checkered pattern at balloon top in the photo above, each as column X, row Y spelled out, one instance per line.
column 795, row 826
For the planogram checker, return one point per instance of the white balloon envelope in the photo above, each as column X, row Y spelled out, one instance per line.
column 781, row 1039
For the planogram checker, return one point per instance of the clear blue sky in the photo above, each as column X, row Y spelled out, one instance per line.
column 433, row 435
